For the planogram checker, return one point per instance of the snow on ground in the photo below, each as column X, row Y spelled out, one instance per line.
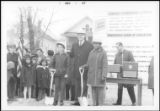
column 111, row 97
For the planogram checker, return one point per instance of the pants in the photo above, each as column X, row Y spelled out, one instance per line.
column 59, row 88
column 11, row 88
column 130, row 92
column 42, row 92
column 18, row 86
column 78, row 88
column 33, row 92
column 70, row 88
column 98, row 95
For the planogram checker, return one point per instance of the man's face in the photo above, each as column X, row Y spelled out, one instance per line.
column 81, row 37
column 119, row 48
column 96, row 45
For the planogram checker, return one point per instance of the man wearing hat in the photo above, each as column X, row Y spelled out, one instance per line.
column 12, row 84
column 80, row 51
column 97, row 71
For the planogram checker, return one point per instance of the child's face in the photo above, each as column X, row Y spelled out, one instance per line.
column 28, row 60
column 44, row 63
column 34, row 61
column 60, row 48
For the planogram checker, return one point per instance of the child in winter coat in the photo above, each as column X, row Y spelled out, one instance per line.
column 60, row 63
column 27, row 77
column 43, row 79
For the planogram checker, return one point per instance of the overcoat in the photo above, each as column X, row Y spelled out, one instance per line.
column 43, row 77
column 97, row 67
column 27, row 76
column 80, row 54
column 151, row 74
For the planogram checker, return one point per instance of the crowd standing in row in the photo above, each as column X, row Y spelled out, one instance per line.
column 35, row 77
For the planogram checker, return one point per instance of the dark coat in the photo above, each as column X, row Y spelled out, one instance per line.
column 127, row 56
column 151, row 74
column 43, row 77
column 14, row 58
column 70, row 79
column 97, row 64
column 61, row 64
column 80, row 55
column 27, row 77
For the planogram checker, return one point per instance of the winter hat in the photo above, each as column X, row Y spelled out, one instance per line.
column 10, row 65
column 59, row 43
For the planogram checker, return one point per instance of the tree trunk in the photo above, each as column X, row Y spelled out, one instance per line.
column 31, row 32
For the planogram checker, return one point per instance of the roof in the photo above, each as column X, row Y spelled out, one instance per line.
column 74, row 25
column 60, row 27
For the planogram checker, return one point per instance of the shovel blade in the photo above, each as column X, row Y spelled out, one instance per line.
column 83, row 101
column 49, row 100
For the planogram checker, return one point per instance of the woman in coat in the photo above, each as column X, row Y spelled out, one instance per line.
column 151, row 75
column 97, row 70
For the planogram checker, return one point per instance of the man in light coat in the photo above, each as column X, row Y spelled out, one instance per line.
column 97, row 71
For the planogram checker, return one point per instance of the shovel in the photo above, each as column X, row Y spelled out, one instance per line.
column 50, row 100
column 82, row 100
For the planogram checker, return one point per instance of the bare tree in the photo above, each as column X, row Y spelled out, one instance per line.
column 31, row 30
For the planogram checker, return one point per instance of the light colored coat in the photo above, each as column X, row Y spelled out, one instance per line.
column 97, row 64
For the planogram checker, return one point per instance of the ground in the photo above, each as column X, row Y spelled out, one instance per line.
column 111, row 92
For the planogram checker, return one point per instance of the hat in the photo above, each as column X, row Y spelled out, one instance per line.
column 11, row 45
column 97, row 41
column 27, row 56
column 39, row 49
column 59, row 43
column 34, row 56
column 10, row 65
column 81, row 31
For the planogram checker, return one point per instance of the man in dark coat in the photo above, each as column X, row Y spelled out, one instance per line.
column 80, row 52
column 124, row 55
column 12, row 83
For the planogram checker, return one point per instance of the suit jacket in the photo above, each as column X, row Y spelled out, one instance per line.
column 127, row 56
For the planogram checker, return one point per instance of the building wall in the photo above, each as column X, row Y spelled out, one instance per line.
column 46, row 45
column 134, row 30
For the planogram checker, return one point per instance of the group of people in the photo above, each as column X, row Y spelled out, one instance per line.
column 91, row 57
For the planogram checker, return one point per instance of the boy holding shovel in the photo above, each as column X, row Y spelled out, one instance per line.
column 60, row 63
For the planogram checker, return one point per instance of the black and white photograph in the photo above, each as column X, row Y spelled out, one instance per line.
column 80, row 55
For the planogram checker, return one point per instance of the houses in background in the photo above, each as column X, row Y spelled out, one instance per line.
column 70, row 34
column 42, row 40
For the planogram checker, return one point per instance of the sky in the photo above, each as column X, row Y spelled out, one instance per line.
column 65, row 15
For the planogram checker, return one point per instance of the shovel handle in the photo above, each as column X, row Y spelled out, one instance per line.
column 81, row 70
column 51, row 82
